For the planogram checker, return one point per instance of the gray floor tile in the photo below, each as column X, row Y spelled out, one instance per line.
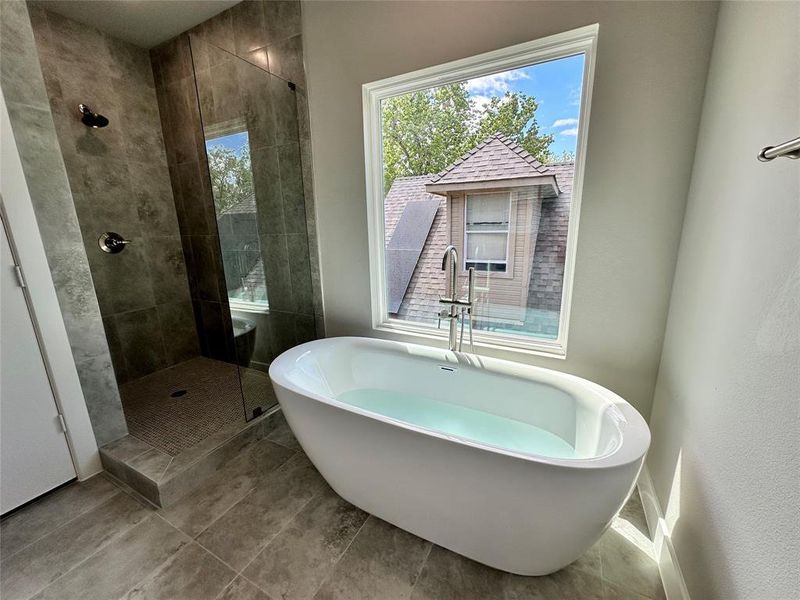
column 628, row 564
column 54, row 510
column 297, row 561
column 126, row 448
column 569, row 583
column 382, row 562
column 248, row 526
column 191, row 574
column 449, row 576
column 615, row 592
column 241, row 589
column 151, row 463
column 232, row 482
column 121, row 565
column 37, row 566
column 633, row 512
column 282, row 434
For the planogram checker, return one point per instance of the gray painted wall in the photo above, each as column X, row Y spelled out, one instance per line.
column 120, row 182
column 24, row 91
column 725, row 458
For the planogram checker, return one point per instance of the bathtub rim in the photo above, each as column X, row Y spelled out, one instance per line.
column 633, row 429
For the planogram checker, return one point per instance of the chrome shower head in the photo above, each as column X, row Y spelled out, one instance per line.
column 91, row 119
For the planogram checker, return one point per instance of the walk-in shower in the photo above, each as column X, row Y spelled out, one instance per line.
column 190, row 197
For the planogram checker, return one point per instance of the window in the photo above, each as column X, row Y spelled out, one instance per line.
column 486, row 232
column 485, row 154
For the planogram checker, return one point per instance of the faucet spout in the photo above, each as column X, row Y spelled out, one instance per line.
column 449, row 252
column 451, row 255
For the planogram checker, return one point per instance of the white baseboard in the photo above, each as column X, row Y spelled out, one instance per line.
column 668, row 567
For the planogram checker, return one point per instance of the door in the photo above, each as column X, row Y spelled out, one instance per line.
column 34, row 456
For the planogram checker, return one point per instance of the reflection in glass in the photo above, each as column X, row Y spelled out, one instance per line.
column 250, row 126
column 231, row 174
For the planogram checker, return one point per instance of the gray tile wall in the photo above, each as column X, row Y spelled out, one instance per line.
column 265, row 34
column 120, row 182
column 34, row 132
column 188, row 170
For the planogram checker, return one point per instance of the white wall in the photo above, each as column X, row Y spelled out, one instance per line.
column 728, row 394
column 651, row 68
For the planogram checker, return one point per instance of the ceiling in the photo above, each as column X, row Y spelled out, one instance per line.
column 144, row 23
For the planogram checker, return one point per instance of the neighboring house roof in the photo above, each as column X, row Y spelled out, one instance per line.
column 246, row 205
column 427, row 281
column 496, row 159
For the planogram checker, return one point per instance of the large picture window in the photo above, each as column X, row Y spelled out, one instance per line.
column 485, row 154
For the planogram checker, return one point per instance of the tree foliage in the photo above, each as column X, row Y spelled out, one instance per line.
column 231, row 176
column 426, row 131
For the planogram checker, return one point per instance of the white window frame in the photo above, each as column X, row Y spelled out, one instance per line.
column 507, row 231
column 577, row 41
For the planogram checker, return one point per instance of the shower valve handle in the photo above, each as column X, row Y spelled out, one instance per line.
column 112, row 242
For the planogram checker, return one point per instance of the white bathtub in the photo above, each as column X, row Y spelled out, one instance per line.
column 446, row 446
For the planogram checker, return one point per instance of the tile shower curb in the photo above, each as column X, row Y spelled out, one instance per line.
column 187, row 471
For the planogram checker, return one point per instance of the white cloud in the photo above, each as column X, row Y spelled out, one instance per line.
column 496, row 84
column 564, row 123
column 572, row 132
column 481, row 101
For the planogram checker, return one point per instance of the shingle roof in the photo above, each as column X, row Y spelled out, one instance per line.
column 421, row 300
column 496, row 158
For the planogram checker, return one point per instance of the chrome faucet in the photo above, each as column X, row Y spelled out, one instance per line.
column 456, row 305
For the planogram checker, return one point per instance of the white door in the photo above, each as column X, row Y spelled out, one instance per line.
column 34, row 456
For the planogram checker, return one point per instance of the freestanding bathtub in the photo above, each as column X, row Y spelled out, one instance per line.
column 517, row 467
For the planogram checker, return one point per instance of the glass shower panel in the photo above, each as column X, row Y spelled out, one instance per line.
column 250, row 128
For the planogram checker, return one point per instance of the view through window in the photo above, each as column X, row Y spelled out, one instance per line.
column 485, row 164
column 237, row 219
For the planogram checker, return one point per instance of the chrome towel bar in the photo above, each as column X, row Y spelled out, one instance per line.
column 790, row 149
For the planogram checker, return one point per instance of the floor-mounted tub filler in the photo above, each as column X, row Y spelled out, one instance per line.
column 517, row 467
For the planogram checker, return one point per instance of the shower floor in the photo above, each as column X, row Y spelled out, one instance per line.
column 212, row 400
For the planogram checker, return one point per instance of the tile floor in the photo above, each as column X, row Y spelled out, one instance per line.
column 214, row 398
column 267, row 527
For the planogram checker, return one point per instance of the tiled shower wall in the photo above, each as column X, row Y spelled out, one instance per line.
column 120, row 182
column 183, row 137
column 265, row 34
column 35, row 135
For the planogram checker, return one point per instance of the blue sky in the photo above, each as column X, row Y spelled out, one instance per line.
column 556, row 85
column 235, row 141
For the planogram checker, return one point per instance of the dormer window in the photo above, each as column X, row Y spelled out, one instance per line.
column 487, row 221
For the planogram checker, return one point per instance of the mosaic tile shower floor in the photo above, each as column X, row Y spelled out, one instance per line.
column 158, row 413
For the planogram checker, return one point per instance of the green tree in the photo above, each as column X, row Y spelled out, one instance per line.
column 231, row 176
column 426, row 131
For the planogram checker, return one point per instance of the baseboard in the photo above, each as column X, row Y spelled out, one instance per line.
column 668, row 567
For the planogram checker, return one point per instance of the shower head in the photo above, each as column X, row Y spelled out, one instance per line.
column 91, row 119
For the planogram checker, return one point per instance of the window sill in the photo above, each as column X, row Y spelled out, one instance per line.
column 496, row 345
column 248, row 307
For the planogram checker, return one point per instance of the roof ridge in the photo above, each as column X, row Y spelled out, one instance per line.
column 508, row 143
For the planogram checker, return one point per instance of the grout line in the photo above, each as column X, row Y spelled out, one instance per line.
column 99, row 549
column 64, row 524
column 291, row 519
column 231, row 567
column 341, row 556
column 422, row 568
column 256, row 479
column 247, row 495
column 154, row 573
